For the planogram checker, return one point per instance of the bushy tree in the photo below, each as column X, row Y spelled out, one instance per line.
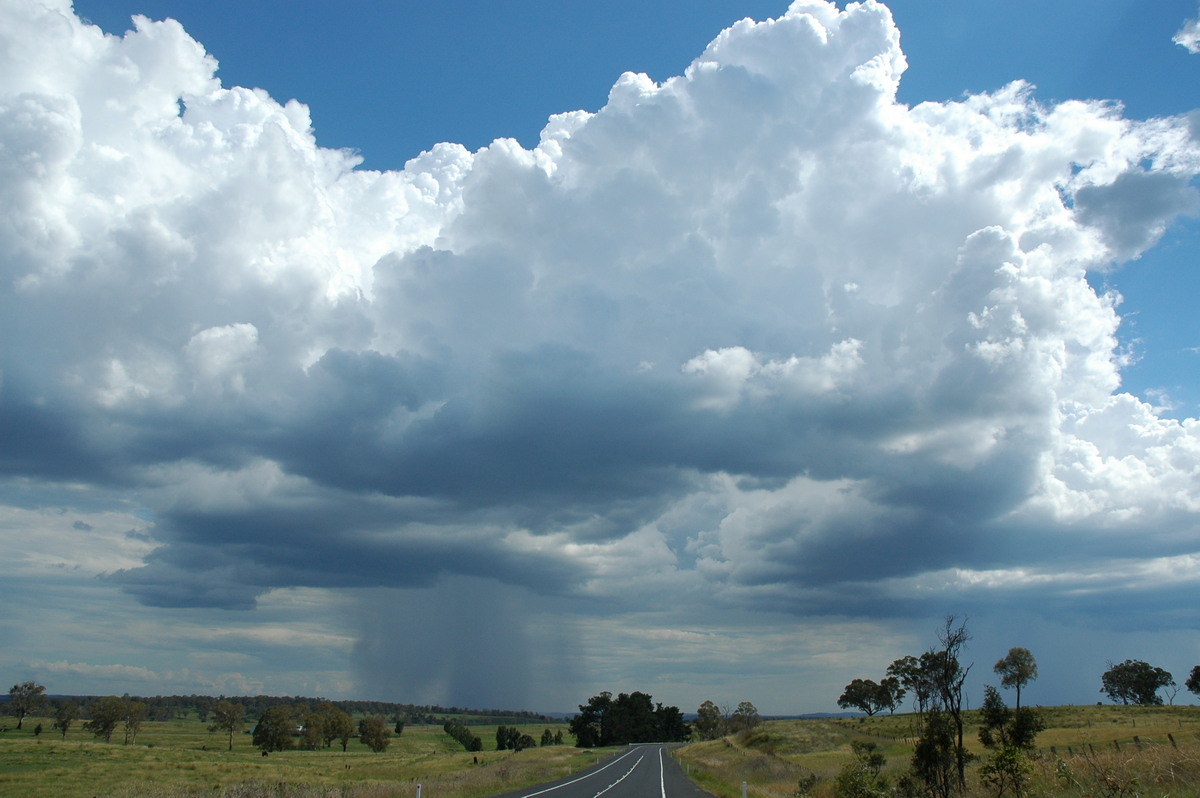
column 105, row 715
column 1010, row 736
column 866, row 695
column 1193, row 680
column 1135, row 682
column 861, row 777
column 24, row 699
column 312, row 732
column 228, row 717
column 710, row 723
column 66, row 715
column 745, row 717
column 1017, row 669
column 375, row 734
column 273, row 732
column 340, row 726
column 935, row 757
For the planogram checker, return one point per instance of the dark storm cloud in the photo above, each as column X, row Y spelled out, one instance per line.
column 758, row 336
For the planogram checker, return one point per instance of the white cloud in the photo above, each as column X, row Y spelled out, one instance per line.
column 759, row 331
column 1189, row 36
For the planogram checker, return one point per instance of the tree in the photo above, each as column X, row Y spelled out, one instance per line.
column 547, row 738
column 1193, row 680
column 340, row 726
column 228, row 717
column 1135, row 682
column 935, row 755
column 948, row 675
column 456, row 729
column 710, row 723
column 866, row 695
column 891, row 692
column 912, row 675
column 375, row 734
column 746, row 716
column 1017, row 669
column 1010, row 736
column 67, row 714
column 940, row 749
column 273, row 732
column 861, row 777
column 134, row 712
column 105, row 714
column 312, row 731
column 24, row 699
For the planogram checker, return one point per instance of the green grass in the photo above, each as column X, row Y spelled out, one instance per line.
column 1085, row 751
column 181, row 758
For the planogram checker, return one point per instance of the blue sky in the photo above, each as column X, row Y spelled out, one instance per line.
column 725, row 382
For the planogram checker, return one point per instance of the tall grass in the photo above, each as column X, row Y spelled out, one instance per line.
column 1108, row 751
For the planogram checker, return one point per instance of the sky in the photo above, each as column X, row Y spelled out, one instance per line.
column 495, row 357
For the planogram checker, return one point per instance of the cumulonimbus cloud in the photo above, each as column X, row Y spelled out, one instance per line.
column 753, row 322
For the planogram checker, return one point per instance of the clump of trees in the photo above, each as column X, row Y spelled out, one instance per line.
column 713, row 722
column 459, row 731
column 110, row 712
column 628, row 718
column 935, row 680
column 549, row 738
column 510, row 738
column 374, row 733
column 274, row 729
column 1136, row 682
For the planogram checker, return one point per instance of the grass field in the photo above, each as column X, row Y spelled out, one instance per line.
column 181, row 758
column 1085, row 751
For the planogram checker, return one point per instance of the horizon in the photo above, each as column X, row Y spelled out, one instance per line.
column 405, row 352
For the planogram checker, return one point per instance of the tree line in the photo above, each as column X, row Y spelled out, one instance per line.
column 170, row 707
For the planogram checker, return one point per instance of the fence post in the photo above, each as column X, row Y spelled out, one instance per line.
column 418, row 791
column 1174, row 744
column 743, row 789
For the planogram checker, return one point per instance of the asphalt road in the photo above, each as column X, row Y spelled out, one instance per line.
column 643, row 771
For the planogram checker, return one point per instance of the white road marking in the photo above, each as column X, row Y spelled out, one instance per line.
column 618, row 781
column 581, row 778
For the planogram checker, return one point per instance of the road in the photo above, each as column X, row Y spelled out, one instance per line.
column 643, row 771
